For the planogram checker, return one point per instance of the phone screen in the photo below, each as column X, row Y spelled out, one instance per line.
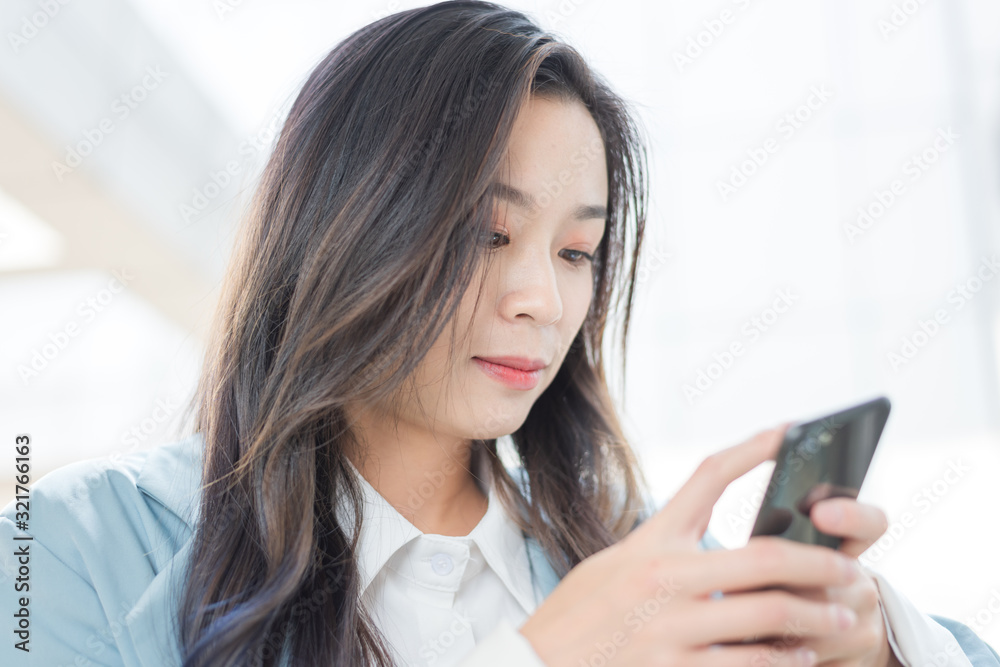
column 823, row 458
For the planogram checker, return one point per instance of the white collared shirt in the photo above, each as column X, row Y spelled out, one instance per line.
column 443, row 601
column 439, row 599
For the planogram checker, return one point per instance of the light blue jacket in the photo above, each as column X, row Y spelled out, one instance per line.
column 109, row 539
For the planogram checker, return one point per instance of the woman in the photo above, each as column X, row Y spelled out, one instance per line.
column 428, row 265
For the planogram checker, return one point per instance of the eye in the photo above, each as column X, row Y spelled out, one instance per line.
column 581, row 257
column 577, row 257
column 492, row 237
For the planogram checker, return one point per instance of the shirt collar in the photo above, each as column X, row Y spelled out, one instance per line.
column 171, row 474
column 384, row 531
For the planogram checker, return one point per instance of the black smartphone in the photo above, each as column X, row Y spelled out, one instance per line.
column 823, row 458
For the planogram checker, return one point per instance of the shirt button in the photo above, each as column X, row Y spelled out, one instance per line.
column 442, row 563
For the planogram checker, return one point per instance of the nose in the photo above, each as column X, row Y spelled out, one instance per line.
column 530, row 288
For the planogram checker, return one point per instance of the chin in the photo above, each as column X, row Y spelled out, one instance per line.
column 498, row 419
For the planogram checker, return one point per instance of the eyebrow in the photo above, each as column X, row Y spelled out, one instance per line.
column 522, row 199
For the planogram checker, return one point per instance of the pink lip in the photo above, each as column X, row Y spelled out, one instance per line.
column 512, row 377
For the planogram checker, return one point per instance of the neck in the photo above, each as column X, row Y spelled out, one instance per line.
column 426, row 477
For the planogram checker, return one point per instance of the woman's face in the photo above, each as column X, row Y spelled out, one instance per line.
column 537, row 289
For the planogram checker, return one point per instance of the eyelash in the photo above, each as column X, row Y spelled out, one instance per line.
column 585, row 257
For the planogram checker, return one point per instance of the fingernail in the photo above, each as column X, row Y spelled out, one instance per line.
column 806, row 656
column 845, row 616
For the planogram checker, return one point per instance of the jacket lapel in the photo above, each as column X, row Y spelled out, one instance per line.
column 171, row 476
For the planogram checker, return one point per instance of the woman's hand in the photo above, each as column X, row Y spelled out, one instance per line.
column 647, row 599
column 866, row 644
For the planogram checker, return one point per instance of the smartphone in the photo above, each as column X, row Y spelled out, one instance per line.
column 823, row 458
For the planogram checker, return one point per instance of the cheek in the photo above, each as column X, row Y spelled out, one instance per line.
column 577, row 294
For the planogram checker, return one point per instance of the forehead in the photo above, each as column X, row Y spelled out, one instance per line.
column 556, row 152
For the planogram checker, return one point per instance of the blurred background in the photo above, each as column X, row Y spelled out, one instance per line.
column 823, row 230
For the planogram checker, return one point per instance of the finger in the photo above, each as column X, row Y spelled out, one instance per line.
column 772, row 655
column 765, row 562
column 820, row 593
column 688, row 512
column 861, row 595
column 858, row 523
column 861, row 640
column 758, row 615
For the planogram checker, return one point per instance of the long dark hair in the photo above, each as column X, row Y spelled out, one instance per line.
column 365, row 230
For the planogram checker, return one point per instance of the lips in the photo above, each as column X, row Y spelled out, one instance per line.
column 509, row 375
column 519, row 363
